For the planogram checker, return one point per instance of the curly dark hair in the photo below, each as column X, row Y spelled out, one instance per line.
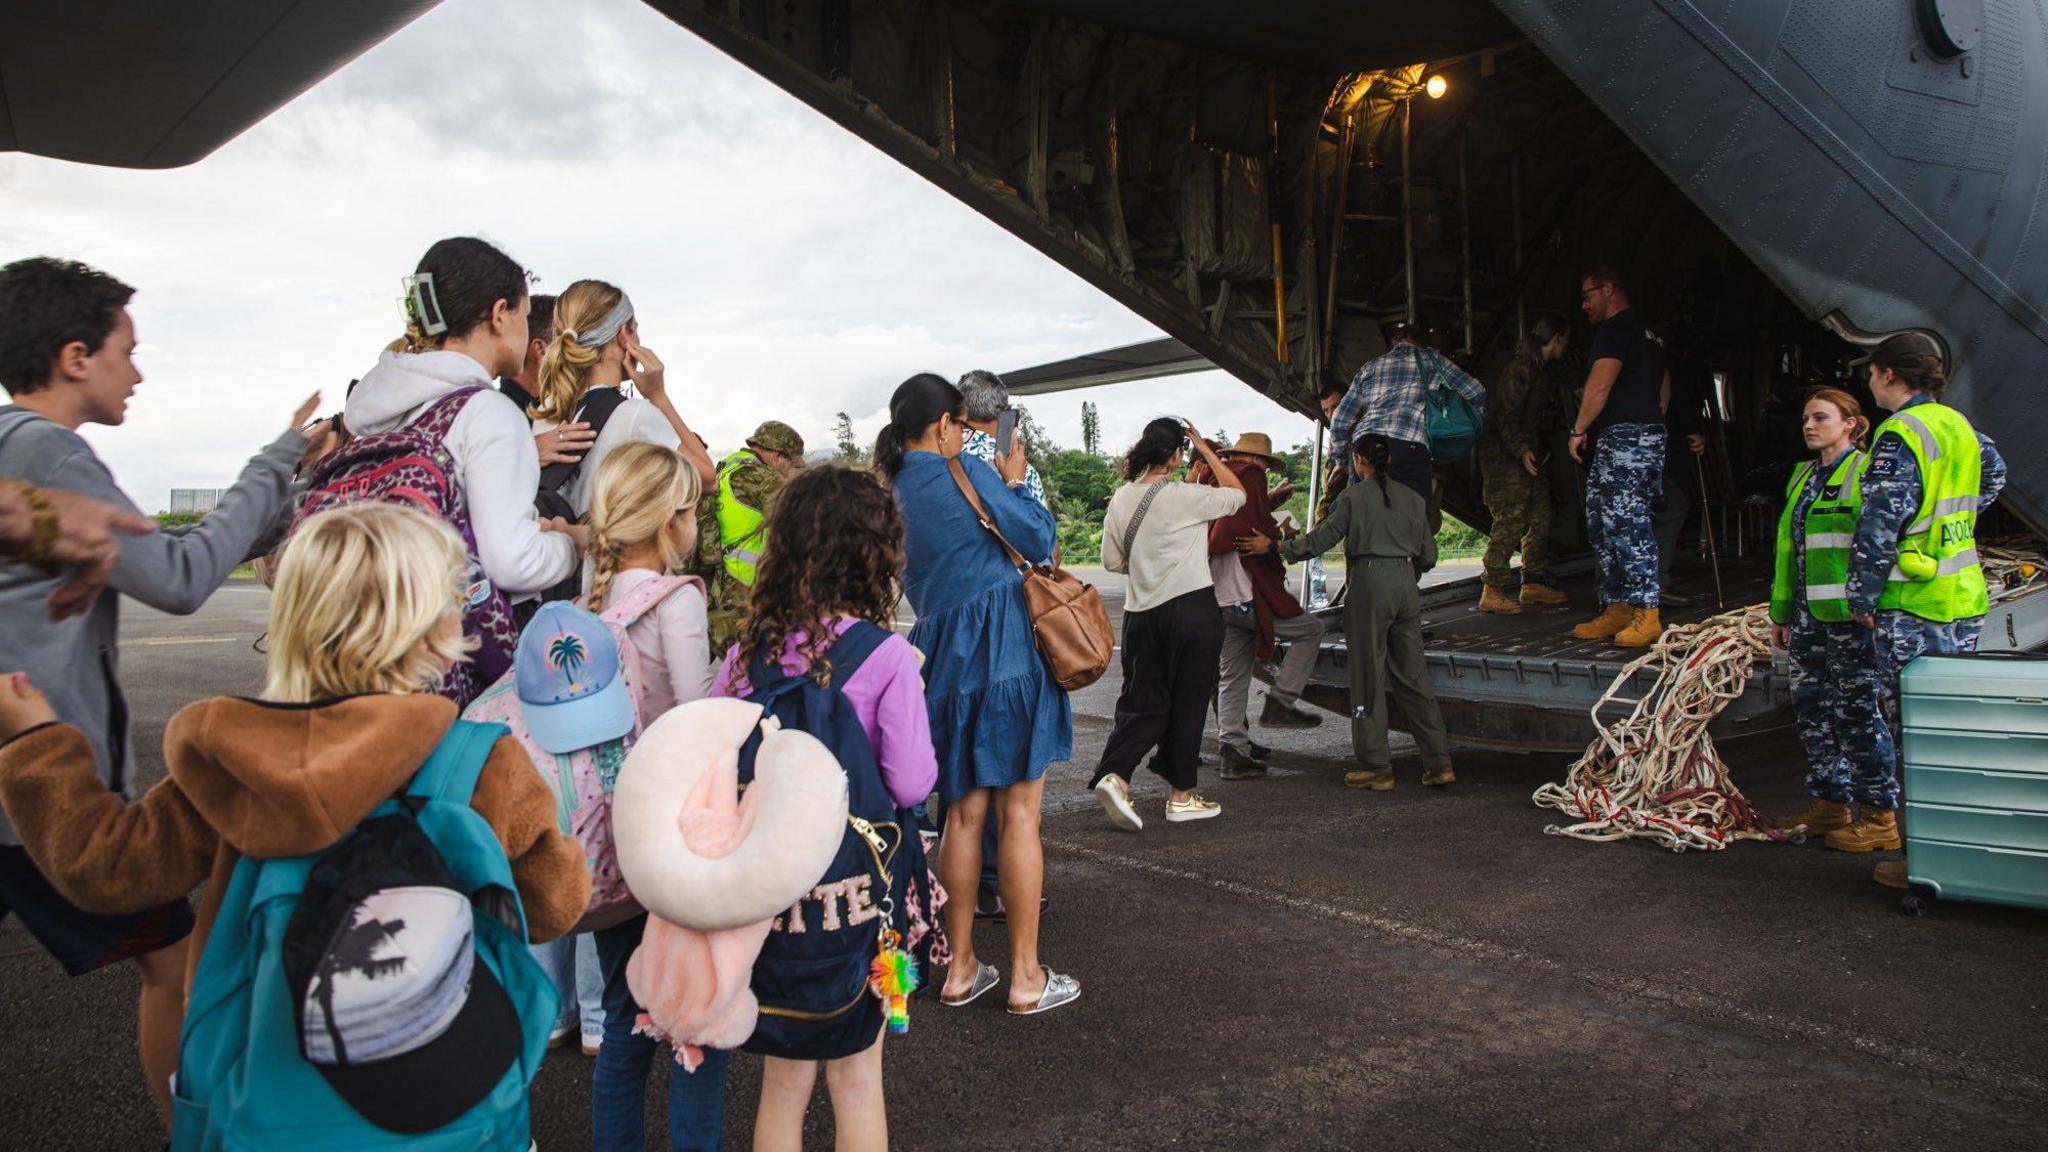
column 834, row 547
column 46, row 304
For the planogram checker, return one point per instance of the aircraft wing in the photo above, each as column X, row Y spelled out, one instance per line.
column 1150, row 360
column 150, row 84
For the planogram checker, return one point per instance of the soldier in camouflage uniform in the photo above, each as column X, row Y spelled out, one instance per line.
column 749, row 480
column 1626, row 389
column 1517, row 490
column 1914, row 577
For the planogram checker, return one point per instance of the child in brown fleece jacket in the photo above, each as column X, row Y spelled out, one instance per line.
column 365, row 617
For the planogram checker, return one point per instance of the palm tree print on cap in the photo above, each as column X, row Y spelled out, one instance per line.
column 567, row 655
column 356, row 949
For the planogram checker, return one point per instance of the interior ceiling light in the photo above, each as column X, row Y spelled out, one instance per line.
column 1436, row 86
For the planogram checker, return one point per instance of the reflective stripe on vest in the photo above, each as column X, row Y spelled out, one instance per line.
column 739, row 526
column 1945, row 528
column 1830, row 529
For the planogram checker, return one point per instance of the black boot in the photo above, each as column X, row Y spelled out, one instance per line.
column 1239, row 766
column 1278, row 715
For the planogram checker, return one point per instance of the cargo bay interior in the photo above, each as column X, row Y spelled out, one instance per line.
column 1275, row 188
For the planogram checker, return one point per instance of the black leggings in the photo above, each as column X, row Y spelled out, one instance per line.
column 1170, row 670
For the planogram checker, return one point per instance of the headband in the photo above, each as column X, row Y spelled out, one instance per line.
column 602, row 333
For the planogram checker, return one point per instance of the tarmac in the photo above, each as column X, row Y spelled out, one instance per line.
column 1317, row 968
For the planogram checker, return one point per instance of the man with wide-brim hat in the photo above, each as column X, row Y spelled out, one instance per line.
column 732, row 523
column 1258, row 613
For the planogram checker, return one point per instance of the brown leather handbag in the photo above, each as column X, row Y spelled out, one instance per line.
column 1067, row 615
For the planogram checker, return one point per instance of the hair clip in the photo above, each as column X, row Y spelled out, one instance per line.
column 422, row 306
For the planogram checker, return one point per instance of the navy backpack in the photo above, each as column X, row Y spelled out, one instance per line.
column 812, row 974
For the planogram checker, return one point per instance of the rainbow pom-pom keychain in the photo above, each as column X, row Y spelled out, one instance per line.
column 893, row 977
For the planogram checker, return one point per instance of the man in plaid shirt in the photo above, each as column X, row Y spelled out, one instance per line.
column 1388, row 396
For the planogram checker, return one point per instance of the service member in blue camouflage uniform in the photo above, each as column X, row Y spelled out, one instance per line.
column 1914, row 577
column 1834, row 671
column 1626, row 390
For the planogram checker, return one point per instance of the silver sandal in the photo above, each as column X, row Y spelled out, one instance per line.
column 1059, row 989
column 985, row 978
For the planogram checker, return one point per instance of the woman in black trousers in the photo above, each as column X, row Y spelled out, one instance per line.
column 1157, row 533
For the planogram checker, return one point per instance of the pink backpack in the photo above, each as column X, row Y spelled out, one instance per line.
column 582, row 780
column 412, row 466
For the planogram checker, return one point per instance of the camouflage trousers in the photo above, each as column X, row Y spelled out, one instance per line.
column 1899, row 638
column 1628, row 473
column 726, row 609
column 1835, row 702
column 1520, row 506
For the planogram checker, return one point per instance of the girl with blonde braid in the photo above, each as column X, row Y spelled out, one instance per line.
column 643, row 523
column 597, row 348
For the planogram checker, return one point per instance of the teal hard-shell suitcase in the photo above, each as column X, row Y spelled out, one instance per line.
column 1975, row 759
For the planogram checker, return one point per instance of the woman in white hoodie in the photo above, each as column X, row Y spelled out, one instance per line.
column 476, row 303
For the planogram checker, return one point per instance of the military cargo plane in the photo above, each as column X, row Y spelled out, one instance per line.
column 1272, row 183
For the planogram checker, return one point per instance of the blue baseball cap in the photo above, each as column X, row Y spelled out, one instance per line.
column 571, row 684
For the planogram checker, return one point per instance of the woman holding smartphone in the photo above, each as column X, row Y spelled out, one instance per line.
column 1157, row 534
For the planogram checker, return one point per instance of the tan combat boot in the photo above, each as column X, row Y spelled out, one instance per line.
column 1890, row 873
column 1542, row 594
column 1494, row 600
column 1644, row 626
column 1438, row 775
column 1873, row 831
column 1370, row 778
column 1820, row 817
column 1606, row 624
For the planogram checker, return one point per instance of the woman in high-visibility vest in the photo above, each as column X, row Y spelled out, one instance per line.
column 1914, row 578
column 1834, row 679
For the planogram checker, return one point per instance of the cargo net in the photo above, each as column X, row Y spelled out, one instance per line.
column 1654, row 774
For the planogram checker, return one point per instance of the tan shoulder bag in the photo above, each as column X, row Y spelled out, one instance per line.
column 1067, row 615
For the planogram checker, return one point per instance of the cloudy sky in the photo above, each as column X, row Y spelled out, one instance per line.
column 781, row 267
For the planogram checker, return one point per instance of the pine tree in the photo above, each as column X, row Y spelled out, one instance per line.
column 842, row 435
column 1091, row 429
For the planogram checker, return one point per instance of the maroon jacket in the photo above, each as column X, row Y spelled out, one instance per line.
column 1270, row 598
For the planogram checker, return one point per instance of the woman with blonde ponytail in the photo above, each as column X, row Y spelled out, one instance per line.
column 596, row 348
column 643, row 523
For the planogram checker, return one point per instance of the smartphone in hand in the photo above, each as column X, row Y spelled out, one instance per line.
column 1006, row 431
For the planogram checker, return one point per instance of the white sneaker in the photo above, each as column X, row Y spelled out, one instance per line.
column 1116, row 801
column 1192, row 808
column 592, row 1041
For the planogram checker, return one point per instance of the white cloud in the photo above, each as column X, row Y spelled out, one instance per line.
column 782, row 267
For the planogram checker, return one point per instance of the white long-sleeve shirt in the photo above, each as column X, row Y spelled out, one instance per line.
column 493, row 449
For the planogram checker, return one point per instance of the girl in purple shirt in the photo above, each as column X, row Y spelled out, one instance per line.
column 834, row 547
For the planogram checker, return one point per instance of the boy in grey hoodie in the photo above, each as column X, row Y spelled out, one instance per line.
column 66, row 344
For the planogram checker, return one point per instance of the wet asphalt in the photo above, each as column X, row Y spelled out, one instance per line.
column 1318, row 968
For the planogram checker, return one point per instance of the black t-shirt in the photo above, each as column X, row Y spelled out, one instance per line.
column 1633, row 400
column 516, row 394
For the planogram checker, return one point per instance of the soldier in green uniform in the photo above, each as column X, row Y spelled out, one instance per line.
column 1510, row 460
column 731, row 525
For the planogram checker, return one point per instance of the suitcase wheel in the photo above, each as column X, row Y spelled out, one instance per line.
column 1919, row 901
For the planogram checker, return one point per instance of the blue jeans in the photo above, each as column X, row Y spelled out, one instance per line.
column 571, row 962
column 618, row 1089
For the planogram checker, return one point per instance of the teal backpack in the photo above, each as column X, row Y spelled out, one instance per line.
column 242, row 1080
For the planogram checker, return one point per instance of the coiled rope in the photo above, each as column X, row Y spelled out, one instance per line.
column 1654, row 774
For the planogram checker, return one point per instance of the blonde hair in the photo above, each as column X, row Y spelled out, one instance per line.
column 361, row 592
column 640, row 488
column 565, row 366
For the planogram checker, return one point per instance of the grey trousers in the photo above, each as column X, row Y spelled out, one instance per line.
column 1240, row 647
